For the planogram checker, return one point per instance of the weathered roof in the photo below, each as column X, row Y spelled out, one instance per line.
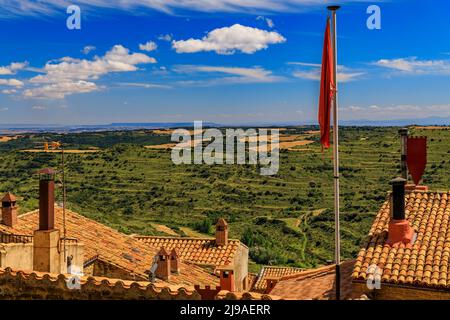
column 273, row 273
column 112, row 246
column 197, row 250
column 425, row 263
column 94, row 287
column 315, row 284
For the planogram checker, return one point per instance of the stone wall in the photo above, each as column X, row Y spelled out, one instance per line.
column 16, row 255
column 241, row 268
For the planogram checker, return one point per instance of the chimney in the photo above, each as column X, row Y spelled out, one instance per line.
column 221, row 232
column 226, row 279
column 163, row 265
column 174, row 261
column 403, row 132
column 9, row 210
column 47, row 199
column 46, row 251
column 399, row 229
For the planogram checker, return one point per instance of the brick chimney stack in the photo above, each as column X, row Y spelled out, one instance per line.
column 47, row 199
column 399, row 229
column 221, row 232
column 9, row 210
column 227, row 279
column 46, row 257
column 163, row 265
column 175, row 261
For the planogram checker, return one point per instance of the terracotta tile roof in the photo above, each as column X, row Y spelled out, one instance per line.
column 141, row 289
column 110, row 245
column 197, row 250
column 425, row 263
column 315, row 284
column 270, row 272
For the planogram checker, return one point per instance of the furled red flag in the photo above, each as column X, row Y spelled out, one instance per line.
column 416, row 148
column 326, row 89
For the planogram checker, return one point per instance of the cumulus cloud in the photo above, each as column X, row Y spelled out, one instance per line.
column 395, row 112
column 228, row 40
column 412, row 65
column 88, row 49
column 13, row 68
column 69, row 75
column 60, row 90
column 149, row 46
column 311, row 71
column 229, row 74
column 11, row 82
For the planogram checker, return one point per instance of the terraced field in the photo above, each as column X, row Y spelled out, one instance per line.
column 285, row 219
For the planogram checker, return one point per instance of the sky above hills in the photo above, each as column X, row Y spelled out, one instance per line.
column 225, row 61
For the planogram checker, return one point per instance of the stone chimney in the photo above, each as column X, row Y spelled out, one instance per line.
column 227, row 279
column 221, row 232
column 163, row 265
column 9, row 210
column 174, row 261
column 46, row 257
column 399, row 229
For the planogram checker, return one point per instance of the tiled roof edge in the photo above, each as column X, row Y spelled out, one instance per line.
column 147, row 289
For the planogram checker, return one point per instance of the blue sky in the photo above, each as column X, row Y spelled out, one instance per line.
column 226, row 61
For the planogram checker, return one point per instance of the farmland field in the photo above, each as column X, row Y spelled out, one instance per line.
column 286, row 219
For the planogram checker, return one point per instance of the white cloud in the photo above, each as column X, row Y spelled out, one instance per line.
column 145, row 85
column 60, row 90
column 11, row 82
column 228, row 40
column 38, row 108
column 312, row 72
column 412, row 65
column 68, row 75
column 9, row 91
column 88, row 49
column 232, row 74
column 13, row 68
column 268, row 21
column 395, row 112
column 165, row 37
column 149, row 46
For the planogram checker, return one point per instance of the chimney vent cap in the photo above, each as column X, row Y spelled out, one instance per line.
column 398, row 180
column 47, row 171
column 9, row 197
column 222, row 223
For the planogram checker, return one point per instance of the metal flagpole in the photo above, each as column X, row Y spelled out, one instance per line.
column 337, row 253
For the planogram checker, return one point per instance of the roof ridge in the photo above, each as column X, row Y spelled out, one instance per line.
column 174, row 237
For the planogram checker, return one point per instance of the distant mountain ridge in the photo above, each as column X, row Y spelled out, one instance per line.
column 117, row 126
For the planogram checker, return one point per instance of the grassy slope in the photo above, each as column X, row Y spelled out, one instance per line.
column 127, row 186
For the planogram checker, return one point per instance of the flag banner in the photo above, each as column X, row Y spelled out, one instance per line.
column 327, row 87
column 416, row 157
